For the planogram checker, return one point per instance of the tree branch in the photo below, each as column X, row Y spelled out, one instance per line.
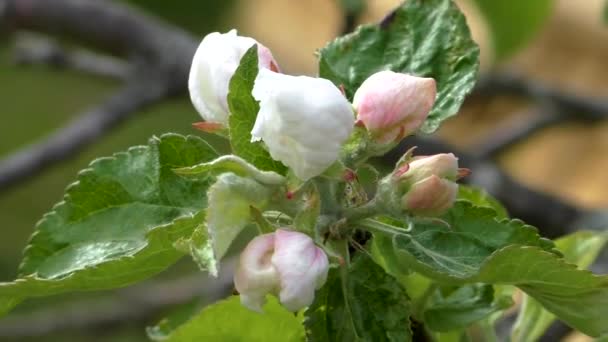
column 503, row 137
column 37, row 50
column 79, row 133
column 571, row 105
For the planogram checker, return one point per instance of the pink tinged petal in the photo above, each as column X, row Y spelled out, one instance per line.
column 256, row 276
column 302, row 268
column 303, row 121
column 444, row 165
column 431, row 196
column 393, row 105
column 213, row 65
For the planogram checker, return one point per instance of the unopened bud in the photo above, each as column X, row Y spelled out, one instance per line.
column 285, row 263
column 426, row 186
column 302, row 120
column 394, row 105
column 213, row 65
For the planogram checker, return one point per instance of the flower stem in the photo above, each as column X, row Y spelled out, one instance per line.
column 364, row 211
column 380, row 227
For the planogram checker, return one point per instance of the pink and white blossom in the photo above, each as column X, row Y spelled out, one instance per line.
column 393, row 105
column 213, row 65
column 302, row 120
column 285, row 263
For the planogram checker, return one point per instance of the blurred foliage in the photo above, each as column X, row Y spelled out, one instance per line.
column 36, row 100
column 196, row 16
column 513, row 23
column 62, row 95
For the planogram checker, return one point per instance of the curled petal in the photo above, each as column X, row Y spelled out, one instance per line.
column 444, row 165
column 256, row 276
column 302, row 268
column 393, row 105
column 213, row 65
column 431, row 196
column 302, row 120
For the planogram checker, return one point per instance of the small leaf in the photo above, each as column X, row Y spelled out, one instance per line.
column 480, row 198
column 201, row 250
column 456, row 308
column 178, row 316
column 234, row 164
column 422, row 37
column 229, row 212
column 580, row 248
column 228, row 320
column 374, row 308
column 500, row 16
column 243, row 112
column 306, row 219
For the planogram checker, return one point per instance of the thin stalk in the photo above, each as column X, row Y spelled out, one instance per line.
column 364, row 211
column 379, row 227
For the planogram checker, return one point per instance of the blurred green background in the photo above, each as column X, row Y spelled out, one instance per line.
column 35, row 100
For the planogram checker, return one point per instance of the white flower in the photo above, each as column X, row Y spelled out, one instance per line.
column 302, row 120
column 213, row 65
column 393, row 105
column 283, row 263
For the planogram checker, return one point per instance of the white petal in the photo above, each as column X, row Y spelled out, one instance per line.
column 213, row 65
column 256, row 276
column 302, row 120
column 302, row 268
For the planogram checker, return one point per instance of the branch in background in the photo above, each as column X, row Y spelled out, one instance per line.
column 37, row 50
column 505, row 136
column 351, row 11
column 571, row 105
column 79, row 133
column 160, row 57
column 138, row 303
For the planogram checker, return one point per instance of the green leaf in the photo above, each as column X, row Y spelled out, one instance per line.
column 228, row 320
column 243, row 112
column 456, row 308
column 422, row 37
column 176, row 318
column 513, row 23
column 458, row 244
column 229, row 211
column 107, row 231
column 374, row 308
column 383, row 253
column 480, row 198
column 234, row 164
column 577, row 297
column 128, row 265
column 580, row 248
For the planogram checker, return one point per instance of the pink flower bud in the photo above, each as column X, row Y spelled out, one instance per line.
column 393, row 105
column 443, row 165
column 213, row 65
column 430, row 184
column 431, row 196
column 284, row 263
column 424, row 186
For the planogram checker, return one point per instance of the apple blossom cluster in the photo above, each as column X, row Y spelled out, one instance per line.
column 304, row 122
